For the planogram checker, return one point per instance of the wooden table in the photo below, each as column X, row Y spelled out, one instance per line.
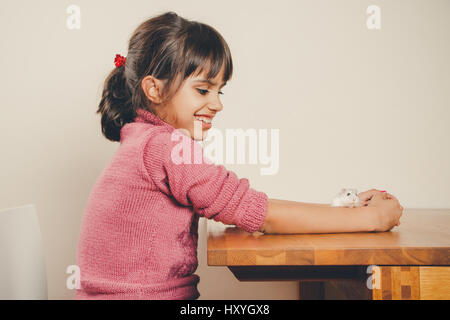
column 409, row 262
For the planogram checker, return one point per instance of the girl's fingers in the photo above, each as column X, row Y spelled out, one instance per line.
column 367, row 195
column 390, row 196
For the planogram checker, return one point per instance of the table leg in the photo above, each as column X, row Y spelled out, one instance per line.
column 411, row 283
column 334, row 290
column 311, row 290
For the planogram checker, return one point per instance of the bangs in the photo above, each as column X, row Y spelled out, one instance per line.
column 206, row 50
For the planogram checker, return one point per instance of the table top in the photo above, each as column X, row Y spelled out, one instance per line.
column 423, row 238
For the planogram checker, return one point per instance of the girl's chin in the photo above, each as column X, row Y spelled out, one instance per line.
column 201, row 124
column 200, row 131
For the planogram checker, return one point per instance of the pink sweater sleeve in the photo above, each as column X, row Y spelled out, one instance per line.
column 211, row 190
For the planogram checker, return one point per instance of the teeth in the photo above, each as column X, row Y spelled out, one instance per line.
column 204, row 119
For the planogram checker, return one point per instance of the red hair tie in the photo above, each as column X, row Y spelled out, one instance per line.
column 119, row 60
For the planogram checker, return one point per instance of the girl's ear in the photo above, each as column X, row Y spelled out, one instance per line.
column 152, row 88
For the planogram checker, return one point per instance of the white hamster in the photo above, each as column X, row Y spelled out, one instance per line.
column 347, row 198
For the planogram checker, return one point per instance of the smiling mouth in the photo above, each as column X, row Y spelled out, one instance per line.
column 203, row 119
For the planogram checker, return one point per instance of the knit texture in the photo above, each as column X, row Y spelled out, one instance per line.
column 139, row 232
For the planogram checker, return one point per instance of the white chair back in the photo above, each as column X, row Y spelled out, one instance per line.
column 22, row 266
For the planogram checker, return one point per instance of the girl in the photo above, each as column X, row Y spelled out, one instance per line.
column 139, row 236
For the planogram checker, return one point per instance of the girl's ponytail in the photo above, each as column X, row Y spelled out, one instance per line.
column 115, row 106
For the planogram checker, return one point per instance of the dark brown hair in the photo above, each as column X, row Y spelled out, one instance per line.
column 167, row 47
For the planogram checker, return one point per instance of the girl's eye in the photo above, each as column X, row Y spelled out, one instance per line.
column 204, row 91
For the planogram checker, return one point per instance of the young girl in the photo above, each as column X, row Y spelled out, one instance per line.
column 139, row 235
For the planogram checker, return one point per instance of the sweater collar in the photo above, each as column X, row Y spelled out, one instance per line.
column 149, row 117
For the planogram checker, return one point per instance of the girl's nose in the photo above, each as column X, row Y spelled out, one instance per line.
column 216, row 104
column 216, row 107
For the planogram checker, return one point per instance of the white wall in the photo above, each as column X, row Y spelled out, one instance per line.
column 355, row 107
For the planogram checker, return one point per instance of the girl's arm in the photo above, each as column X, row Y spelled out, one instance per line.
column 285, row 216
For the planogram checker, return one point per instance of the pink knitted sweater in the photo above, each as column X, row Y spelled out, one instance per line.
column 138, row 237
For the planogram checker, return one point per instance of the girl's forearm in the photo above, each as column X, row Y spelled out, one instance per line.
column 290, row 217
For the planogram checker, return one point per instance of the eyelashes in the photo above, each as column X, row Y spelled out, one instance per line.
column 204, row 91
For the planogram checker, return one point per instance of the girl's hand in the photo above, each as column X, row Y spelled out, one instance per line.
column 367, row 195
column 387, row 211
